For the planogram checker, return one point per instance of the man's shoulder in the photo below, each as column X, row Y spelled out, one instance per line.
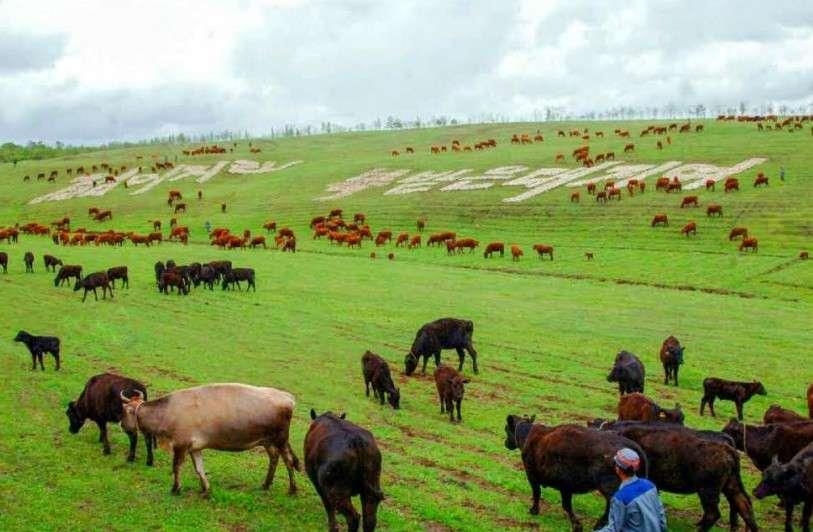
column 633, row 490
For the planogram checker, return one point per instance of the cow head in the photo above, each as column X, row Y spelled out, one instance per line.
column 735, row 429
column 758, row 388
column 129, row 421
column 314, row 415
column 22, row 336
column 76, row 417
column 516, row 430
column 457, row 387
column 410, row 363
column 777, row 479
column 78, row 285
column 672, row 416
column 395, row 398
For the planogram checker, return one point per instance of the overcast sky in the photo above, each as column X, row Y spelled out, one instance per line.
column 89, row 71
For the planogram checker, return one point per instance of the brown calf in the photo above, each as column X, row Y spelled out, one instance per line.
column 638, row 407
column 689, row 228
column 689, row 201
column 542, row 249
column 749, row 243
column 660, row 219
column 493, row 247
column 516, row 252
column 714, row 209
column 449, row 383
column 777, row 414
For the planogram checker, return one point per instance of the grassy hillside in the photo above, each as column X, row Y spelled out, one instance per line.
column 546, row 331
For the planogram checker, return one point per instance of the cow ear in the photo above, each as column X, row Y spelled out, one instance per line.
column 343, row 415
column 509, row 420
column 313, row 413
column 531, row 419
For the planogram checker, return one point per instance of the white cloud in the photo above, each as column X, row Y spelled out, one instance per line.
column 96, row 70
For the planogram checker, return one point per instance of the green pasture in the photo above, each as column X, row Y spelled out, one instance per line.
column 546, row 332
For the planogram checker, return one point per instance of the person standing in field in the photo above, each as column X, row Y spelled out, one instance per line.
column 782, row 174
column 636, row 506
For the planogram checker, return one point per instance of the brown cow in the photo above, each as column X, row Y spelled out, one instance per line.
column 258, row 241
column 469, row 243
column 449, row 383
column 714, row 209
column 601, row 196
column 286, row 232
column 689, row 200
column 574, row 197
column 180, row 207
column 737, row 231
column 761, row 180
column 270, row 226
column 591, row 188
column 516, row 252
column 614, row 193
column 777, row 414
column 739, row 392
column 402, row 240
column 359, row 218
column 662, row 183
column 376, row 372
column 629, row 147
column 102, row 216
column 710, row 184
column 227, row 417
column 542, row 249
column 671, row 356
column 804, row 255
column 660, row 219
column 289, row 245
column 493, row 247
column 749, row 243
column 343, row 460
column 731, row 184
column 415, row 242
column 689, row 228
column 638, row 407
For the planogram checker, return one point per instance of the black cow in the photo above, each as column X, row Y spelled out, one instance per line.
column 51, row 262
column 377, row 372
column 37, row 346
column 628, row 371
column 570, row 459
column 343, row 460
column 100, row 401
column 92, row 282
column 680, row 461
column 172, row 279
column 445, row 333
column 671, row 357
column 235, row 275
column 739, row 392
column 207, row 276
column 28, row 258
column 764, row 442
column 159, row 268
column 67, row 271
column 792, row 483
column 221, row 267
column 4, row 261
column 118, row 272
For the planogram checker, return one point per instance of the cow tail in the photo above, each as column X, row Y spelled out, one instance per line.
column 292, row 458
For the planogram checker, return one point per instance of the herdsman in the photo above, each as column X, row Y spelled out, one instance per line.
column 636, row 506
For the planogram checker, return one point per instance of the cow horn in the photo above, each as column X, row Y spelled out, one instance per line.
column 124, row 398
column 313, row 413
column 139, row 394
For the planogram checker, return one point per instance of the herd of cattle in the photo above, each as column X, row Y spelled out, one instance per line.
column 342, row 459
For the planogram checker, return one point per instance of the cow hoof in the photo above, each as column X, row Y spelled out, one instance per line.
column 131, row 458
column 292, row 491
column 106, row 451
column 534, row 510
column 175, row 491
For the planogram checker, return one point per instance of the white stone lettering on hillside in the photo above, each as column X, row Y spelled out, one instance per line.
column 536, row 181
column 378, row 177
column 82, row 185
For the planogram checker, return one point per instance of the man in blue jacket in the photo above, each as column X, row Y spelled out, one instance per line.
column 636, row 506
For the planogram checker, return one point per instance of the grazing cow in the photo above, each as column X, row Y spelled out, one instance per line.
column 415, row 242
column 749, row 243
column 493, row 247
column 516, row 253
column 660, row 219
column 467, row 243
column 51, row 262
column 270, row 226
column 180, row 207
column 570, row 459
column 671, row 356
column 385, row 236
column 574, row 197
column 777, row 414
column 761, row 180
column 37, row 346
column 207, row 276
column 792, row 483
column 629, row 372
column 689, row 228
column 439, row 238
column 739, row 392
column 172, row 279
column 731, row 184
column 638, row 407
column 289, row 245
column 689, row 200
column 258, row 241
column 402, row 240
column 629, row 147
column 686, row 461
column 451, row 246
column 316, row 221
column 449, row 383
column 226, row 417
column 376, row 372
column 66, row 272
column 588, row 255
column 286, row 232
column 395, row 153
column 445, row 333
column 359, row 218
column 100, row 401
column 662, row 183
column 335, row 213
column 102, row 216
column 764, row 442
column 118, row 272
column 343, row 460
column 28, row 258
column 614, row 193
column 235, row 275
column 737, row 231
column 710, row 184
column 92, row 282
column 714, row 209
column 804, row 255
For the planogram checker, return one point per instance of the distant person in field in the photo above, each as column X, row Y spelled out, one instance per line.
column 782, row 174
column 207, row 226
column 636, row 506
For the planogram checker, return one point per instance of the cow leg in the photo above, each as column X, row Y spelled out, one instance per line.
column 665, row 373
column 442, row 404
column 567, row 506
column 473, row 355
column 96, row 294
column 536, row 494
column 450, row 409
column 710, row 500
column 273, row 460
column 332, row 526
column 806, row 511
column 179, row 453
column 148, row 440
column 425, row 360
column 369, row 508
column 462, row 356
column 55, row 354
column 84, row 295
column 676, row 369
column 39, row 359
column 103, row 436
column 197, row 460
column 345, row 507
column 380, row 395
column 437, row 358
column 133, row 436
column 457, row 404
column 739, row 409
column 292, row 464
column 367, row 388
